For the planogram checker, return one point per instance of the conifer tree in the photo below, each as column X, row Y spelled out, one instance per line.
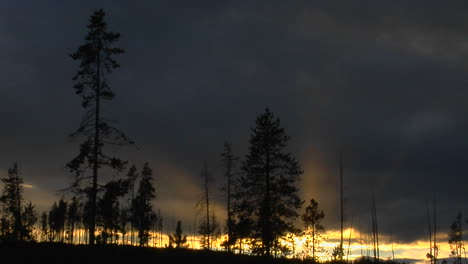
column 177, row 238
column 109, row 209
column 312, row 219
column 268, row 192
column 142, row 210
column 96, row 58
column 29, row 221
column 18, row 220
column 44, row 227
column 12, row 198
column 72, row 218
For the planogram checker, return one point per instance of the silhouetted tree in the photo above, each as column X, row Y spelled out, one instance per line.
column 312, row 219
column 96, row 63
column 431, row 254
column 177, row 238
column 229, row 163
column 86, row 213
column 123, row 220
column 375, row 230
column 29, row 221
column 51, row 221
column 242, row 226
column 72, row 218
column 109, row 209
column 456, row 238
column 436, row 248
column 61, row 218
column 57, row 219
column 341, row 250
column 160, row 226
column 13, row 225
column 242, row 222
column 44, row 226
column 80, row 226
column 132, row 176
column 5, row 230
column 215, row 229
column 205, row 228
column 209, row 233
column 142, row 210
column 337, row 253
column 268, row 189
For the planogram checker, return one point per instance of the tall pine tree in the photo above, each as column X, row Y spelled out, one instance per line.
column 267, row 193
column 91, row 83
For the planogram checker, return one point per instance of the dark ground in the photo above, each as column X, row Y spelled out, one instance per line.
column 68, row 254
column 48, row 253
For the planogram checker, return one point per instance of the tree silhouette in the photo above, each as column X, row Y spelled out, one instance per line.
column 132, row 176
column 29, row 220
column 229, row 163
column 177, row 238
column 57, row 219
column 72, row 218
column 44, row 227
column 109, row 209
column 312, row 219
column 206, row 226
column 91, row 83
column 209, row 233
column 456, row 238
column 268, row 193
column 142, row 210
column 243, row 224
column 337, row 253
column 123, row 220
column 12, row 198
column 18, row 220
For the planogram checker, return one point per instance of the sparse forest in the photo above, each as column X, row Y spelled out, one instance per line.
column 111, row 207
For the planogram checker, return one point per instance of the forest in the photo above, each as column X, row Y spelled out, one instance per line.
column 109, row 213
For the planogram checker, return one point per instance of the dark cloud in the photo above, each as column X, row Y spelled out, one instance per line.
column 383, row 81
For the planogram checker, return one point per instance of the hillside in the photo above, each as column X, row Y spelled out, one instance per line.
column 65, row 253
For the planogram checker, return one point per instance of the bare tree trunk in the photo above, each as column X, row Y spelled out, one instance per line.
column 161, row 230
column 349, row 240
column 267, row 227
column 431, row 256
column 341, row 205
column 436, row 251
column 93, row 197
column 375, row 233
column 207, row 203
column 393, row 251
column 133, row 217
column 313, row 242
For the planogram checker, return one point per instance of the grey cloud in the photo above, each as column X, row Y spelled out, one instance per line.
column 385, row 81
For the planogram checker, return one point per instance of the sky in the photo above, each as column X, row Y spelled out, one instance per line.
column 383, row 82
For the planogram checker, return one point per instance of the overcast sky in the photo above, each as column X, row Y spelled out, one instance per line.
column 384, row 81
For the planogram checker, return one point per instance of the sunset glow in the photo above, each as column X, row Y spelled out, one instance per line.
column 416, row 251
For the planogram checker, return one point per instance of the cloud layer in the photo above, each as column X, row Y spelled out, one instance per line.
column 383, row 81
